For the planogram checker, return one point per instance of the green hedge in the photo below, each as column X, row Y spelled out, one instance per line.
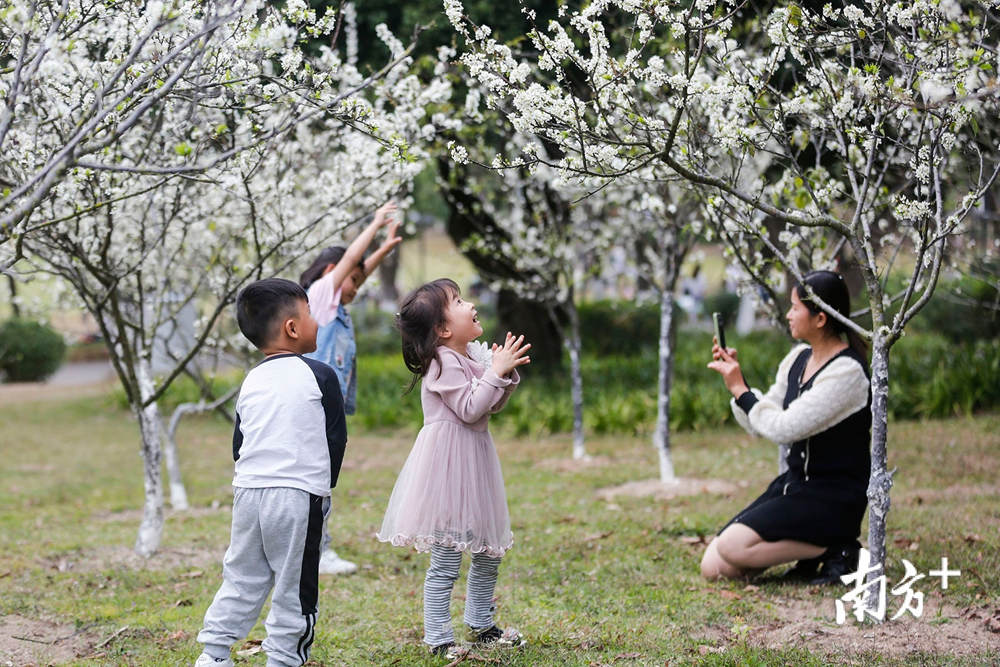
column 29, row 351
column 929, row 377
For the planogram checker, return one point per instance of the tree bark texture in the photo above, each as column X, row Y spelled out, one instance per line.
column 661, row 436
column 151, row 526
column 178, row 494
column 573, row 346
column 881, row 478
column 671, row 256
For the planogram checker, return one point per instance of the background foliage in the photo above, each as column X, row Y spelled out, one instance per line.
column 936, row 376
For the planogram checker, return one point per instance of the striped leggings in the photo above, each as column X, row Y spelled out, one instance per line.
column 440, row 579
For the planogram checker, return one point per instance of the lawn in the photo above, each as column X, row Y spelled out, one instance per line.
column 589, row 581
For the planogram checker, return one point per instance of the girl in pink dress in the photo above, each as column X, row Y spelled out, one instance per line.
column 449, row 497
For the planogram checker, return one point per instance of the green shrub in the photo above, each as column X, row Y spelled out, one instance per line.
column 929, row 377
column 619, row 390
column 29, row 351
column 605, row 326
column 723, row 302
column 962, row 309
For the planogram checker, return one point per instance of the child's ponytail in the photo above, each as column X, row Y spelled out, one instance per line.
column 421, row 315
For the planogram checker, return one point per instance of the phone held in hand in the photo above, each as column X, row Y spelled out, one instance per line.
column 720, row 332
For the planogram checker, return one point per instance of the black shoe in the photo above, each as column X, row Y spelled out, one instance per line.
column 496, row 636
column 837, row 561
column 446, row 650
column 804, row 570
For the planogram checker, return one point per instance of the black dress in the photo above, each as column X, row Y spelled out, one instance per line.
column 821, row 498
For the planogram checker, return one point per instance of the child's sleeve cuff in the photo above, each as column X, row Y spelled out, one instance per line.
column 491, row 378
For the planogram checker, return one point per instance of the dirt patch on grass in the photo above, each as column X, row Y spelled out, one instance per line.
column 117, row 558
column 25, row 641
column 682, row 486
column 953, row 492
column 810, row 624
column 135, row 515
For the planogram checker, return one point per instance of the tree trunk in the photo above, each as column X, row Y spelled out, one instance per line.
column 15, row 309
column 387, row 270
column 671, row 256
column 178, row 494
column 151, row 527
column 661, row 436
column 467, row 218
column 520, row 316
column 881, row 479
column 573, row 345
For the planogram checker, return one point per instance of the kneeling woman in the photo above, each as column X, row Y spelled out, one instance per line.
column 820, row 406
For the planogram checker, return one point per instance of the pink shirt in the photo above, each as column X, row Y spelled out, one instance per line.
column 323, row 300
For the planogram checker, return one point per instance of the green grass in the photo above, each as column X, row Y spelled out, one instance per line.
column 589, row 582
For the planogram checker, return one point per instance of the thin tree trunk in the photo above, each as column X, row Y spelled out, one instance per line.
column 387, row 271
column 178, row 494
column 573, row 345
column 15, row 309
column 671, row 255
column 151, row 526
column 881, row 478
column 661, row 436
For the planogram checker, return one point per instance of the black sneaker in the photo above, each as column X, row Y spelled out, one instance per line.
column 837, row 561
column 497, row 637
column 804, row 570
column 447, row 650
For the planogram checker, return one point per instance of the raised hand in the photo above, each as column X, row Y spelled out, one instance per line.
column 725, row 364
column 392, row 239
column 717, row 351
column 510, row 355
column 384, row 213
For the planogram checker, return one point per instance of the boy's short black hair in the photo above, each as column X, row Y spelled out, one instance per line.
column 262, row 305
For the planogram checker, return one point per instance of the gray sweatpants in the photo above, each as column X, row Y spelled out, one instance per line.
column 274, row 544
column 438, row 584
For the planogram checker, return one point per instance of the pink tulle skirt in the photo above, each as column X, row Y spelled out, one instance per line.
column 450, row 492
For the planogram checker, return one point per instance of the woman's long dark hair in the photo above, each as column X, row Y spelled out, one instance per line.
column 421, row 315
column 830, row 287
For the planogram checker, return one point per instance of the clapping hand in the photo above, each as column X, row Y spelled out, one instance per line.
column 510, row 355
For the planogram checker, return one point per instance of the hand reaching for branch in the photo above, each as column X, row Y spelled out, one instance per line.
column 510, row 355
column 392, row 238
column 384, row 213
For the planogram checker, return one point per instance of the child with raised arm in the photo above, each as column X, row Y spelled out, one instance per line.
column 288, row 445
column 450, row 497
column 332, row 281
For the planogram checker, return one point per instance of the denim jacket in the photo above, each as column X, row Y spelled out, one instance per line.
column 335, row 345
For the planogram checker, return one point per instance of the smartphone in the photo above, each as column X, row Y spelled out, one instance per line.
column 720, row 331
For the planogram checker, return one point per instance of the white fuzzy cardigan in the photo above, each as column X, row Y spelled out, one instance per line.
column 839, row 390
